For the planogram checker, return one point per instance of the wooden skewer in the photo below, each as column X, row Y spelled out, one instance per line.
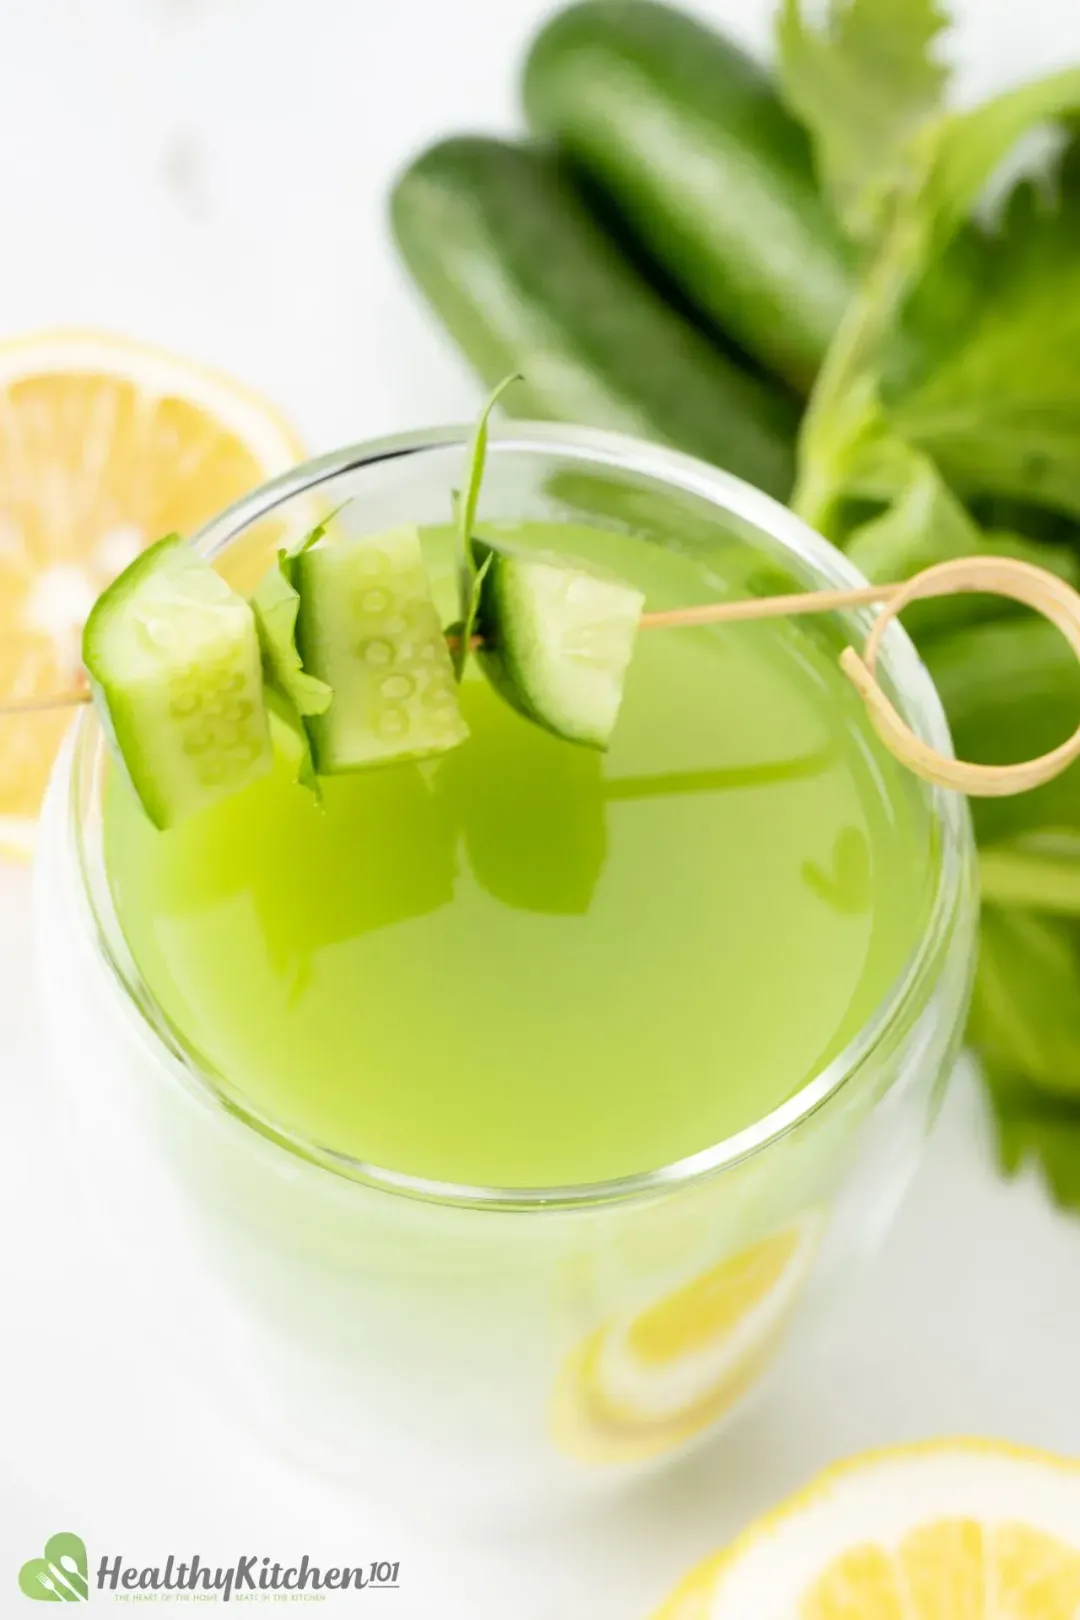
column 62, row 700
column 999, row 576
column 704, row 613
column 769, row 607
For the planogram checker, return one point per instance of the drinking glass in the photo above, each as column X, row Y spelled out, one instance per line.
column 492, row 1347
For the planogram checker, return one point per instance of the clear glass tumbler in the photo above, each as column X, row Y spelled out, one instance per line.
column 488, row 1347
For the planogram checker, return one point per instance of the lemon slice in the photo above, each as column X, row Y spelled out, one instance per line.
column 104, row 446
column 648, row 1382
column 951, row 1530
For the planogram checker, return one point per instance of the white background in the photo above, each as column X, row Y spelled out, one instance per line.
column 211, row 175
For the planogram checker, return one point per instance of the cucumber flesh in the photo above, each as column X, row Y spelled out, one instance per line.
column 369, row 628
column 556, row 640
column 173, row 659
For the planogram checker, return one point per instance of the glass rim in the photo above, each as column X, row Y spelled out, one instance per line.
column 899, row 661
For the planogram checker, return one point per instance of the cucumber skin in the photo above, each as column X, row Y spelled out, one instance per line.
column 113, row 714
column 110, row 718
column 492, row 655
column 526, row 281
column 497, row 652
column 711, row 172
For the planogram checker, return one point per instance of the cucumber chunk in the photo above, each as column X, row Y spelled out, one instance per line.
column 173, row 660
column 556, row 640
column 369, row 628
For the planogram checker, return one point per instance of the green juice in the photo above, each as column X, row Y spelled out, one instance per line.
column 527, row 964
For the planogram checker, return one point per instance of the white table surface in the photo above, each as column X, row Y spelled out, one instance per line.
column 210, row 175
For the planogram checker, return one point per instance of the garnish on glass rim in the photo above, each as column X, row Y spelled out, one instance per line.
column 554, row 638
column 1001, row 576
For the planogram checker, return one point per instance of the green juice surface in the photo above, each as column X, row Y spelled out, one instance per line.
column 527, row 964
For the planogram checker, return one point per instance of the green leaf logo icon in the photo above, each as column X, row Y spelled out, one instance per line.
column 61, row 1575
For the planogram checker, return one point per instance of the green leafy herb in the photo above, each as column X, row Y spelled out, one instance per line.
column 1026, row 1010
column 291, row 691
column 465, row 509
column 1040, row 870
column 999, row 412
column 975, row 143
column 866, row 84
column 291, row 734
column 1011, row 689
column 476, row 584
column 927, row 524
column 999, row 409
column 276, row 605
column 984, row 408
column 1035, row 1128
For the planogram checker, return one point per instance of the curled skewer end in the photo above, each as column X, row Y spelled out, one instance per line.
column 998, row 576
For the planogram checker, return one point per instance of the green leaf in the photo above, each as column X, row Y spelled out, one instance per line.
column 315, row 535
column 1011, row 690
column 291, row 691
column 276, row 605
column 977, row 142
column 868, row 87
column 995, row 404
column 992, row 399
column 1025, row 1015
column 476, row 587
column 1032, row 1128
column 999, row 409
column 927, row 524
column 296, row 744
column 465, row 509
column 847, row 442
column 1039, row 871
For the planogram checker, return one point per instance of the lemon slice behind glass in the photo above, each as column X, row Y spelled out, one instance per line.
column 646, row 1383
column 104, row 446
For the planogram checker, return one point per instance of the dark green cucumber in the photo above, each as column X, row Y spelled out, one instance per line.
column 713, row 175
column 526, row 281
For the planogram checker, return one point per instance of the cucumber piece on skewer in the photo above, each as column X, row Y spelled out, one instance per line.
column 555, row 639
column 173, row 660
column 369, row 628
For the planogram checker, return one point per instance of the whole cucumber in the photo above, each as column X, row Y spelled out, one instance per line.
column 527, row 281
column 709, row 170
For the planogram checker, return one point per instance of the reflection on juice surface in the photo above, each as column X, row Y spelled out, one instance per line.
column 526, row 964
